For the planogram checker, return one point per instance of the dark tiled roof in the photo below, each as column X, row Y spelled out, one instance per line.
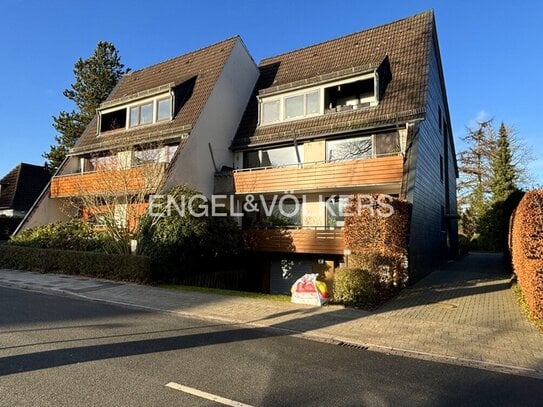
column 193, row 76
column 405, row 42
column 22, row 186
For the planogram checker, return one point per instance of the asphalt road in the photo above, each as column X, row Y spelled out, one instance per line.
column 61, row 351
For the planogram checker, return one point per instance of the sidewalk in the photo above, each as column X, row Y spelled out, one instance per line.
column 463, row 314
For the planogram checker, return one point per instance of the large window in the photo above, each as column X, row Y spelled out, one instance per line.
column 274, row 157
column 356, row 148
column 349, row 149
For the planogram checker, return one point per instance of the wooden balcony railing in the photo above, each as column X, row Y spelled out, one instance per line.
column 320, row 175
column 113, row 181
column 284, row 240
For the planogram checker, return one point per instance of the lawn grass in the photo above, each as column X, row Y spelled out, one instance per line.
column 232, row 293
column 517, row 292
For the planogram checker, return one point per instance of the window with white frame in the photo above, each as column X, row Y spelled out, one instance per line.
column 148, row 111
column 270, row 112
column 164, row 109
column 141, row 114
column 290, row 107
column 302, row 105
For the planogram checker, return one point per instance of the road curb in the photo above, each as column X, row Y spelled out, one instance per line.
column 318, row 337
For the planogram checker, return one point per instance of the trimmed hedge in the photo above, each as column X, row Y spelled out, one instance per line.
column 377, row 233
column 526, row 244
column 372, row 226
column 90, row 264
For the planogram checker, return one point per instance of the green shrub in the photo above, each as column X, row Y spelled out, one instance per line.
column 72, row 235
column 355, row 287
column 182, row 244
column 493, row 226
column 90, row 264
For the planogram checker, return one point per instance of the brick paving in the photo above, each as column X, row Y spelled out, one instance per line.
column 464, row 313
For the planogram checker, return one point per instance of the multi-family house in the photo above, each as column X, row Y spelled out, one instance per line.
column 178, row 116
column 365, row 113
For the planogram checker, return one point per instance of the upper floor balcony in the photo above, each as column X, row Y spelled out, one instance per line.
column 316, row 176
column 125, row 181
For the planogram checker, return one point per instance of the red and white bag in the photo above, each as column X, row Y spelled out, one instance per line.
column 308, row 290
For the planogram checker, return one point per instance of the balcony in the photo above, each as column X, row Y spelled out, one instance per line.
column 385, row 171
column 100, row 182
column 283, row 240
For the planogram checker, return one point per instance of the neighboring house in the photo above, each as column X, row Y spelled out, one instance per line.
column 18, row 191
column 182, row 113
column 364, row 113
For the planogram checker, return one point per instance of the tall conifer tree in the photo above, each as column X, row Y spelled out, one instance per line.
column 95, row 78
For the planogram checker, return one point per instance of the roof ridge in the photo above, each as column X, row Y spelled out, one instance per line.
column 183, row 55
column 429, row 12
column 31, row 165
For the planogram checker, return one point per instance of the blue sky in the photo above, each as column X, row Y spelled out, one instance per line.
column 491, row 51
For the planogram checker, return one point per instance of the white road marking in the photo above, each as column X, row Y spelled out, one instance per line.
column 204, row 395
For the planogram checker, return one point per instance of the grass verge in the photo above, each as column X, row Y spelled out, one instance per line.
column 232, row 293
column 517, row 292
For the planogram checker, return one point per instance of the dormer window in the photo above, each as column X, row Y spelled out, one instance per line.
column 137, row 113
column 347, row 94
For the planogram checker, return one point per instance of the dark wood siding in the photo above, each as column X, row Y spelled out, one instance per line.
column 430, row 244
